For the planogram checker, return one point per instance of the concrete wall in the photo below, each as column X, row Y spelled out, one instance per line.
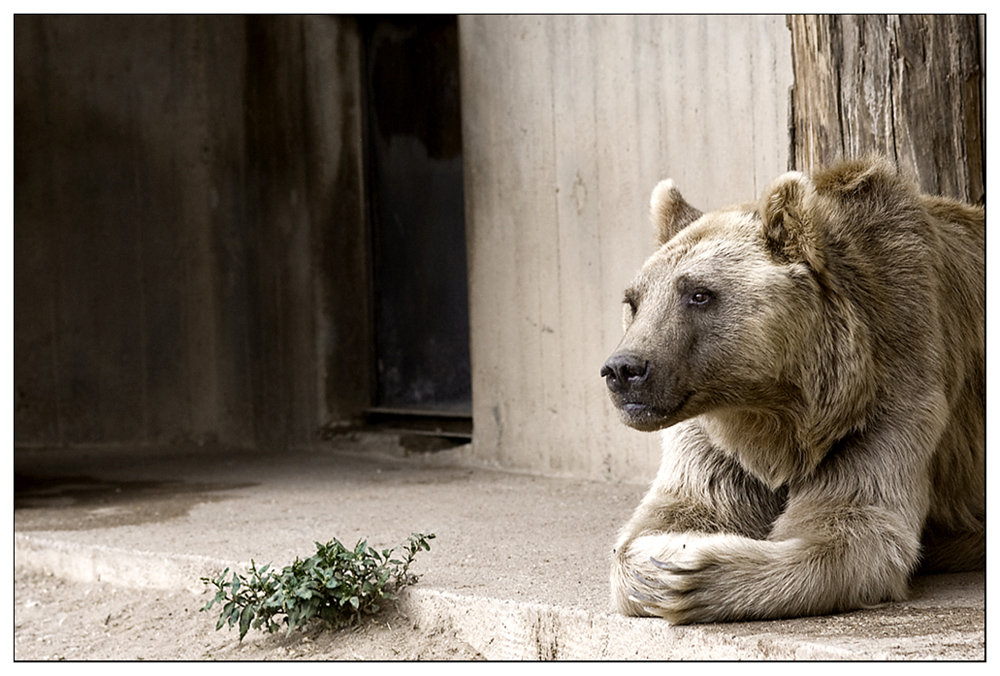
column 568, row 122
column 188, row 229
column 190, row 242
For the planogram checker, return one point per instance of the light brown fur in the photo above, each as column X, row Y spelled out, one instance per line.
column 816, row 361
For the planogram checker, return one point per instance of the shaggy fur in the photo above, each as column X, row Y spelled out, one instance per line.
column 816, row 361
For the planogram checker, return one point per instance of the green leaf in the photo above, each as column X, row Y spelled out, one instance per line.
column 245, row 618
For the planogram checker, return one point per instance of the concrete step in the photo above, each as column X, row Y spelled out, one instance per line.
column 518, row 567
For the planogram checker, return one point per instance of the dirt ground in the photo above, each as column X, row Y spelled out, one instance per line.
column 59, row 620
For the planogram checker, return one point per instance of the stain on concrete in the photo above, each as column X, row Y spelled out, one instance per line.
column 85, row 503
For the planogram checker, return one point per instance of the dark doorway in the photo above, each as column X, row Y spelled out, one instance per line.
column 414, row 161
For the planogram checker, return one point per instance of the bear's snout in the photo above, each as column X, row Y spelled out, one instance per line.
column 624, row 372
column 646, row 399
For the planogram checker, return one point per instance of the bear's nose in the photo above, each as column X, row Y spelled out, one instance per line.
column 624, row 372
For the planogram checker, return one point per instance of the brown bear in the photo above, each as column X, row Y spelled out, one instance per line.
column 816, row 361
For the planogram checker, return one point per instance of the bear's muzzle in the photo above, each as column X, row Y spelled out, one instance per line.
column 642, row 403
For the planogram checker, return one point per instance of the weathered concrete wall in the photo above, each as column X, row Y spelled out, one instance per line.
column 188, row 229
column 189, row 218
column 568, row 122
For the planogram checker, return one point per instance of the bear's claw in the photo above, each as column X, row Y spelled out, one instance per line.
column 670, row 566
column 640, row 598
column 644, row 580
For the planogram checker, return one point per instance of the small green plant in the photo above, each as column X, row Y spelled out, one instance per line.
column 337, row 585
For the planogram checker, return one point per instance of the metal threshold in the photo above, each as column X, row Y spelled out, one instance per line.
column 454, row 423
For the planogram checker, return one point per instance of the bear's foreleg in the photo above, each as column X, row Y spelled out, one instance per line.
column 712, row 577
column 848, row 538
column 698, row 489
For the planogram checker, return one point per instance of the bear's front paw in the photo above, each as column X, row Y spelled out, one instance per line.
column 662, row 573
column 688, row 577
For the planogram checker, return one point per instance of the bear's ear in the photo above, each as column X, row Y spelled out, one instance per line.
column 669, row 212
column 787, row 209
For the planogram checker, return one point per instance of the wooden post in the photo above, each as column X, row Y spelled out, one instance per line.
column 908, row 86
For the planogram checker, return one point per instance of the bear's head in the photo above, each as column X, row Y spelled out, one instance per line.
column 717, row 318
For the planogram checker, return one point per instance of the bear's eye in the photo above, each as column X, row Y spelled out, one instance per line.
column 700, row 298
column 631, row 303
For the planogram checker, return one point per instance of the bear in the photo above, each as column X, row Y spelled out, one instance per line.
column 815, row 362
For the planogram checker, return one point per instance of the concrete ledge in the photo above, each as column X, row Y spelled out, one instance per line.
column 518, row 569
column 506, row 630
column 944, row 624
column 126, row 568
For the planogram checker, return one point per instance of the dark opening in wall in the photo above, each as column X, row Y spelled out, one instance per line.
column 415, row 191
